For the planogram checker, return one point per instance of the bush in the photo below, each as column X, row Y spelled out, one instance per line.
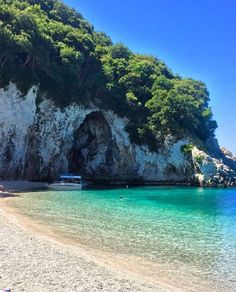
column 199, row 159
column 187, row 149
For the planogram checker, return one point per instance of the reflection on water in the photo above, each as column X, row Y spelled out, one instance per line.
column 193, row 228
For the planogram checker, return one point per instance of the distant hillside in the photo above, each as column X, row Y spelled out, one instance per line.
column 46, row 43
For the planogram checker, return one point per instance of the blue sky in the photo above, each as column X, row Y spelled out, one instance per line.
column 194, row 38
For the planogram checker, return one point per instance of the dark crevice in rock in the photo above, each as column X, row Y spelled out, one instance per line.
column 93, row 148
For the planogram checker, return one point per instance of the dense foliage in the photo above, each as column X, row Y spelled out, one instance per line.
column 47, row 43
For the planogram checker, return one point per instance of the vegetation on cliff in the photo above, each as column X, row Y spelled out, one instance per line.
column 46, row 43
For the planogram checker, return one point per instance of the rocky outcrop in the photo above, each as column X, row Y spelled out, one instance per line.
column 210, row 171
column 39, row 140
column 228, row 158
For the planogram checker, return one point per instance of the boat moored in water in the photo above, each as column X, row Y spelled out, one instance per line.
column 67, row 182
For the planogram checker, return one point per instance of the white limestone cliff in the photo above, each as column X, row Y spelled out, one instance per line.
column 40, row 140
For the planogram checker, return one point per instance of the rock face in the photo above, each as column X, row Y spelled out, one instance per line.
column 39, row 141
column 229, row 159
column 210, row 171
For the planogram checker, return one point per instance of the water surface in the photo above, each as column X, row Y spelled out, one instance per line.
column 192, row 230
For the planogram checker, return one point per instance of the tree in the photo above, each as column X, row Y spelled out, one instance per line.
column 47, row 43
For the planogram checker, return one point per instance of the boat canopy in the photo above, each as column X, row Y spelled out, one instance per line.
column 68, row 176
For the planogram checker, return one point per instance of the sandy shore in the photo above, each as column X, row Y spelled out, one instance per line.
column 30, row 261
column 34, row 258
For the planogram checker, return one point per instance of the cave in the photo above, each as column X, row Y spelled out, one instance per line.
column 92, row 153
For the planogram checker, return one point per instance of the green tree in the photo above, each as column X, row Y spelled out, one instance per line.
column 47, row 43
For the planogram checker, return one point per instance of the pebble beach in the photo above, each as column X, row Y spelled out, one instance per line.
column 42, row 256
column 32, row 262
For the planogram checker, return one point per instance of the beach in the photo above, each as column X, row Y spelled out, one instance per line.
column 95, row 241
column 30, row 261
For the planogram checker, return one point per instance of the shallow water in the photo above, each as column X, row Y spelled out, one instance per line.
column 189, row 228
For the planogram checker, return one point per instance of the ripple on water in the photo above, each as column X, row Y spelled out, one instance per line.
column 188, row 229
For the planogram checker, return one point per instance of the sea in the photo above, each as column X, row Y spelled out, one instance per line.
column 183, row 236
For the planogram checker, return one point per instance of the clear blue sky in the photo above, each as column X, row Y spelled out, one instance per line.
column 195, row 38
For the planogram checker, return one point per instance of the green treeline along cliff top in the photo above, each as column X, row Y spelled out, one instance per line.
column 46, row 43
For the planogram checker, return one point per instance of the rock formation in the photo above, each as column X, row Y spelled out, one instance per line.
column 39, row 140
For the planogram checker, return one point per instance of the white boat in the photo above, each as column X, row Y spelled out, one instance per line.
column 67, row 182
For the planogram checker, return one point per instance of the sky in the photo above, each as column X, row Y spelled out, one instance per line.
column 195, row 38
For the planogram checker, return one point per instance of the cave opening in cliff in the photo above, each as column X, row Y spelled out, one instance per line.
column 91, row 154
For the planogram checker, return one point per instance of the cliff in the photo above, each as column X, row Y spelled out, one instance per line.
column 39, row 140
column 72, row 101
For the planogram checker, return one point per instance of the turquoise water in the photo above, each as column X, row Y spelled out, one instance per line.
column 189, row 228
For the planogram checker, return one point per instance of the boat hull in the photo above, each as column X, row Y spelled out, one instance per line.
column 65, row 186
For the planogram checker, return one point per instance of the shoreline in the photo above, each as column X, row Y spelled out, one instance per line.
column 120, row 275
column 129, row 270
column 19, row 186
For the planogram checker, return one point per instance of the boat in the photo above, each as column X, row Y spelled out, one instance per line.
column 67, row 182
